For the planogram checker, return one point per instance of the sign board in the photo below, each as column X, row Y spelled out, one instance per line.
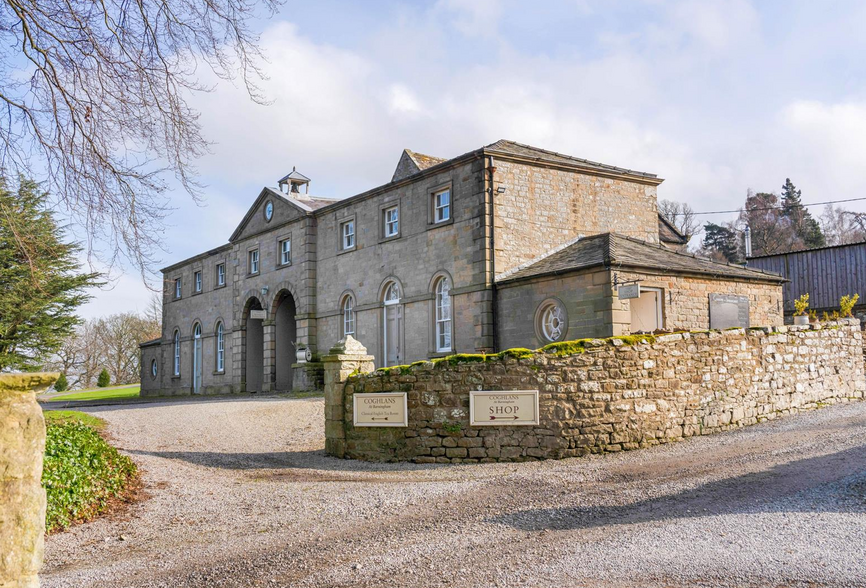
column 385, row 409
column 503, row 408
column 259, row 314
column 627, row 291
column 728, row 310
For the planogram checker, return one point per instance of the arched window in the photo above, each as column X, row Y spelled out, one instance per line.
column 348, row 315
column 392, row 293
column 220, row 348
column 177, row 353
column 443, row 315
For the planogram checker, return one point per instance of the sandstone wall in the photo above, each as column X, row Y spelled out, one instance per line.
column 606, row 395
column 22, row 499
column 542, row 207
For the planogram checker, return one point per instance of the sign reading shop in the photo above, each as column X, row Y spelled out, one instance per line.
column 387, row 409
column 506, row 408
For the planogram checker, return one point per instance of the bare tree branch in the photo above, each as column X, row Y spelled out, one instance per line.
column 94, row 102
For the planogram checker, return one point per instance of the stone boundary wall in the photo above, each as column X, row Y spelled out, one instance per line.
column 597, row 395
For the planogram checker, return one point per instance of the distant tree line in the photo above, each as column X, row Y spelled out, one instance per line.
column 778, row 223
column 107, row 343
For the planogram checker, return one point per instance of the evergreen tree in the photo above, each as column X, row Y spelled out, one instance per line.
column 104, row 379
column 40, row 281
column 61, row 384
column 721, row 243
column 805, row 226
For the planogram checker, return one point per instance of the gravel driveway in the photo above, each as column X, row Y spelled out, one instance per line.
column 241, row 494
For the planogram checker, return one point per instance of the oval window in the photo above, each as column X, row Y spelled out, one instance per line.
column 153, row 368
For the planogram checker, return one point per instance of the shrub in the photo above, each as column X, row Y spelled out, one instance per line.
column 801, row 304
column 104, row 379
column 846, row 305
column 81, row 473
column 61, row 384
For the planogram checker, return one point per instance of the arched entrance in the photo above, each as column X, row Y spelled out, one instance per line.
column 254, row 346
column 196, row 359
column 284, row 339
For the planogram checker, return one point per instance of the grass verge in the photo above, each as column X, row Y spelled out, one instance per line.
column 82, row 474
column 101, row 394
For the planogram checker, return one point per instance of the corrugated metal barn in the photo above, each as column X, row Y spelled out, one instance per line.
column 825, row 273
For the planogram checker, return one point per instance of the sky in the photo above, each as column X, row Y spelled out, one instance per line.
column 715, row 96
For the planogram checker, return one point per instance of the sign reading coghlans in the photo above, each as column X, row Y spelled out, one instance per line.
column 505, row 408
column 388, row 409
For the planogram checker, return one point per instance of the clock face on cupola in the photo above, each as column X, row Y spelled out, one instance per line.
column 269, row 210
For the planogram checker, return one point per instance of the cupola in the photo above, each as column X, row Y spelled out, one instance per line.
column 291, row 184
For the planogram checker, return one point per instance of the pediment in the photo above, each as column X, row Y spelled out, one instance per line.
column 254, row 222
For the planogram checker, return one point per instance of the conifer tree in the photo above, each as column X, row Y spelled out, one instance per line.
column 104, row 379
column 721, row 243
column 61, row 384
column 41, row 284
column 804, row 224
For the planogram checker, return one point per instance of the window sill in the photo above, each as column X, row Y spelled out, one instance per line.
column 219, row 373
column 253, row 275
column 349, row 250
column 218, row 286
column 283, row 265
column 391, row 238
column 444, row 223
column 175, row 377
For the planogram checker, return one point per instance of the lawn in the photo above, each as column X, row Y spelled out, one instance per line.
column 61, row 417
column 129, row 391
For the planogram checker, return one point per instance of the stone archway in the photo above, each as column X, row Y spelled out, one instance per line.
column 253, row 365
column 285, row 337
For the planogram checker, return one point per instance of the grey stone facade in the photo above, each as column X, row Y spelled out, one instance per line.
column 509, row 204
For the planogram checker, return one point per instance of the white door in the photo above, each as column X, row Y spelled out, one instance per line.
column 393, row 328
column 646, row 311
column 196, row 361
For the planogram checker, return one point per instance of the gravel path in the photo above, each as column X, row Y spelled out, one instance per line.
column 241, row 494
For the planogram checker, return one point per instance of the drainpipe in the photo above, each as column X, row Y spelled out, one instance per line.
column 491, row 169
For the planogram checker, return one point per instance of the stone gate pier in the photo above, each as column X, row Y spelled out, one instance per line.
column 22, row 499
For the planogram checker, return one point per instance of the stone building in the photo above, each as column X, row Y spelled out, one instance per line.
column 507, row 245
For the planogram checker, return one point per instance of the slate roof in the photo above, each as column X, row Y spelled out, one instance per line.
column 294, row 175
column 668, row 233
column 614, row 250
column 808, row 250
column 529, row 152
column 424, row 161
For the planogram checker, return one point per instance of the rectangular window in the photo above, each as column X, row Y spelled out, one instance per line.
column 286, row 252
column 442, row 206
column 392, row 221
column 197, row 281
column 221, row 274
column 177, row 288
column 347, row 232
column 254, row 261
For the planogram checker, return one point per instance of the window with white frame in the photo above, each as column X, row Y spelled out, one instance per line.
column 392, row 221
column 197, row 276
column 177, row 353
column 220, row 348
column 221, row 274
column 348, row 316
column 254, row 261
column 347, row 234
column 442, row 205
column 443, row 315
column 177, row 288
column 285, row 252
